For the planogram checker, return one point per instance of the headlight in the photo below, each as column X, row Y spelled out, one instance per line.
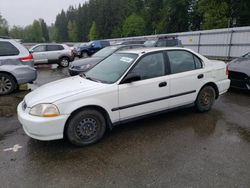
column 44, row 110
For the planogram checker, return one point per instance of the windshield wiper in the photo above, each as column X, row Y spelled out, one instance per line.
column 92, row 79
column 83, row 75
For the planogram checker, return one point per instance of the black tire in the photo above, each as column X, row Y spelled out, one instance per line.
column 84, row 55
column 85, row 127
column 7, row 84
column 205, row 99
column 64, row 62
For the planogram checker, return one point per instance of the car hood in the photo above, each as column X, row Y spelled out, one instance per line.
column 60, row 89
column 86, row 61
column 240, row 65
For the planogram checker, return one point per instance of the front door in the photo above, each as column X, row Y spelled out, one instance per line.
column 149, row 94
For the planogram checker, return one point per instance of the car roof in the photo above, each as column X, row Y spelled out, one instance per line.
column 148, row 50
column 124, row 45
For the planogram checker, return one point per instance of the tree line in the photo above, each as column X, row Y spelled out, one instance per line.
column 102, row 19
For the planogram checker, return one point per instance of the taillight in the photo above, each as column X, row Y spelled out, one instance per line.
column 27, row 58
column 227, row 73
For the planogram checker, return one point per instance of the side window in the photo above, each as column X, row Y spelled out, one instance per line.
column 8, row 49
column 198, row 63
column 150, row 66
column 40, row 48
column 161, row 43
column 181, row 61
column 54, row 47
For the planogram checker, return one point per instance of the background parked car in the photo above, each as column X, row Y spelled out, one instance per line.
column 16, row 66
column 52, row 53
column 83, row 65
column 239, row 72
column 91, row 48
column 164, row 42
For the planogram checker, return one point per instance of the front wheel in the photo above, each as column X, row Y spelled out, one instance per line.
column 86, row 127
column 205, row 99
column 64, row 62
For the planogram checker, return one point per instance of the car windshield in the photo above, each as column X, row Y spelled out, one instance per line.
column 112, row 68
column 150, row 43
column 105, row 51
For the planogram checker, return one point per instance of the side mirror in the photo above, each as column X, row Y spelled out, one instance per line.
column 31, row 51
column 131, row 77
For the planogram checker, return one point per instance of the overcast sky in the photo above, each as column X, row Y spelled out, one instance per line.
column 23, row 12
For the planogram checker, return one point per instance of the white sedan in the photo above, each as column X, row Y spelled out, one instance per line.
column 125, row 86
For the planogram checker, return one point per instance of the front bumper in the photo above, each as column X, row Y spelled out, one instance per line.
column 41, row 128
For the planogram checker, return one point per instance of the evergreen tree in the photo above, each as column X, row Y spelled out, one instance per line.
column 134, row 25
column 3, row 26
column 17, row 32
column 61, row 27
column 72, row 31
column 93, row 33
column 45, row 32
column 215, row 14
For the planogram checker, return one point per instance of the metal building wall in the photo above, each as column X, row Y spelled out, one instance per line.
column 218, row 43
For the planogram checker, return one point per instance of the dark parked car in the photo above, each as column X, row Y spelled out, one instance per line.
column 92, row 47
column 164, row 42
column 239, row 72
column 83, row 65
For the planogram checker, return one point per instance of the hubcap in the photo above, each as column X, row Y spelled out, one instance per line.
column 64, row 62
column 5, row 85
column 87, row 128
column 206, row 98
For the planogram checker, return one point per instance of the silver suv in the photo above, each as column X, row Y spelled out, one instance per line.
column 52, row 53
column 16, row 66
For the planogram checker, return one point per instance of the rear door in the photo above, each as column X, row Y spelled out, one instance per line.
column 54, row 52
column 187, row 75
column 149, row 94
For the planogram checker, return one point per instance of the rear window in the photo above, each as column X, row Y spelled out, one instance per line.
column 54, row 47
column 8, row 49
column 167, row 43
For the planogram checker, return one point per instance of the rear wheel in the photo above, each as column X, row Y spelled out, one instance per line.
column 86, row 127
column 7, row 84
column 64, row 62
column 205, row 99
